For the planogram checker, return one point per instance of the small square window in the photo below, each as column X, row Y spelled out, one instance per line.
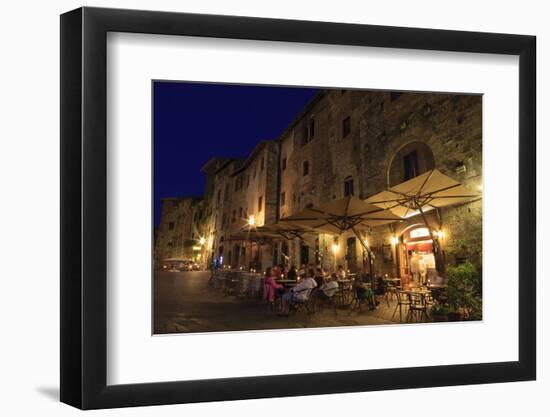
column 348, row 186
column 306, row 168
column 346, row 127
column 311, row 130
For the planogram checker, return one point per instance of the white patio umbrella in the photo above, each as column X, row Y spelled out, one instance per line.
column 339, row 216
column 285, row 231
column 420, row 194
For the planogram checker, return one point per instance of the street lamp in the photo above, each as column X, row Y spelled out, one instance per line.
column 202, row 241
column 251, row 220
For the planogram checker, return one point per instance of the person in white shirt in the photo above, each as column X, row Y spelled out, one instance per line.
column 300, row 292
column 340, row 273
column 329, row 288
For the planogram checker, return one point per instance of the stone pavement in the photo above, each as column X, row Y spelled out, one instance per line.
column 184, row 302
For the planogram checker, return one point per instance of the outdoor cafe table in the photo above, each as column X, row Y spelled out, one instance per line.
column 287, row 282
column 422, row 292
column 438, row 291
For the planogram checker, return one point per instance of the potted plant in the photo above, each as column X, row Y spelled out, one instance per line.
column 440, row 312
column 464, row 290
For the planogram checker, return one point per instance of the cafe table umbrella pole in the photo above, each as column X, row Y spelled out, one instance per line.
column 439, row 264
column 370, row 256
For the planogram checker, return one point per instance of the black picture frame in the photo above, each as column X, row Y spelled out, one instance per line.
column 84, row 207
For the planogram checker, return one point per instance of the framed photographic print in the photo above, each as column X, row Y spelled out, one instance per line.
column 258, row 208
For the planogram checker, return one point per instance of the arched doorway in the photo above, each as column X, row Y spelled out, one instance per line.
column 415, row 256
column 236, row 255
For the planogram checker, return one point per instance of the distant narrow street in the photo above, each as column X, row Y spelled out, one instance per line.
column 184, row 302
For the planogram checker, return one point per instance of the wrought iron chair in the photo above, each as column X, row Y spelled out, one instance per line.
column 403, row 304
column 322, row 301
column 417, row 307
column 359, row 300
column 302, row 304
column 390, row 289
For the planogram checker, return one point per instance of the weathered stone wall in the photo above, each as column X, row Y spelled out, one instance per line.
column 444, row 130
column 245, row 188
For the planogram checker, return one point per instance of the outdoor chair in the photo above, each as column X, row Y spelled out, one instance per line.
column 428, row 301
column 343, row 294
column 390, row 289
column 323, row 302
column 357, row 301
column 297, row 304
column 417, row 307
column 403, row 304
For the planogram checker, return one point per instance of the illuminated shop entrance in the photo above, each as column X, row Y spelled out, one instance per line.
column 416, row 256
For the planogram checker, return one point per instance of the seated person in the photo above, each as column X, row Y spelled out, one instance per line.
column 292, row 273
column 329, row 288
column 319, row 277
column 300, row 292
column 364, row 293
column 340, row 273
column 271, row 287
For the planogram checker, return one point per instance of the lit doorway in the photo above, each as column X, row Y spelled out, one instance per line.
column 416, row 257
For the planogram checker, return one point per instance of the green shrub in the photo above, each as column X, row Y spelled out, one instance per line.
column 440, row 309
column 464, row 288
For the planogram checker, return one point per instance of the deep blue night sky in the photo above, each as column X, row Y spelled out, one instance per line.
column 194, row 122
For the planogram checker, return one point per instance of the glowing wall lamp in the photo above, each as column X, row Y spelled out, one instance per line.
column 251, row 220
column 394, row 240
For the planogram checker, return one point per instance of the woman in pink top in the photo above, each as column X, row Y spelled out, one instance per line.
column 270, row 286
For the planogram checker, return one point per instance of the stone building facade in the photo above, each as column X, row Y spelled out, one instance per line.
column 181, row 226
column 243, row 191
column 350, row 142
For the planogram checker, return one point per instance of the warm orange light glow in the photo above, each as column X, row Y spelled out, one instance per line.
column 202, row 241
column 251, row 220
column 335, row 248
column 394, row 240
